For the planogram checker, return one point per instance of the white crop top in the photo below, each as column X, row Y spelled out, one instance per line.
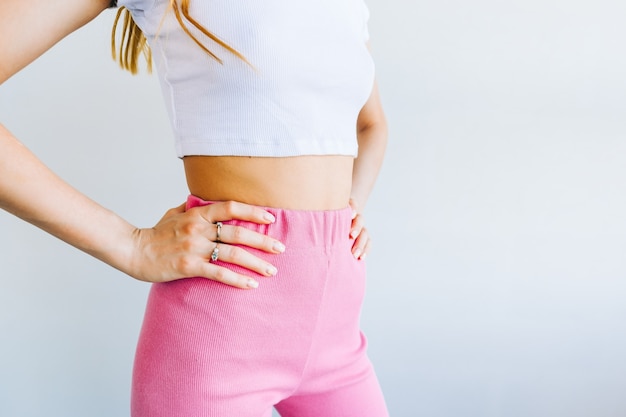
column 311, row 74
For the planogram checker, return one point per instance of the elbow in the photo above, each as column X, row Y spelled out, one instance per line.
column 378, row 124
column 374, row 128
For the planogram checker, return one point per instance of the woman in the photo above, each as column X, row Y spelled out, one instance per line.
column 268, row 102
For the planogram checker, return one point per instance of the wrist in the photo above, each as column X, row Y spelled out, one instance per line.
column 119, row 247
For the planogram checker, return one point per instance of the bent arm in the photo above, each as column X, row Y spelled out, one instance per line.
column 177, row 247
column 28, row 28
column 372, row 138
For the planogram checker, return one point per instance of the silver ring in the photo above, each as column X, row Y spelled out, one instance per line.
column 219, row 231
column 215, row 254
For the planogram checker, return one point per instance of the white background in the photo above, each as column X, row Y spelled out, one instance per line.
column 496, row 287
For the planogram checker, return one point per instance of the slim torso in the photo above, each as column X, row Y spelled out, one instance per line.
column 299, row 183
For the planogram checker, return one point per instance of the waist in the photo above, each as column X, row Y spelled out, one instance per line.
column 297, row 183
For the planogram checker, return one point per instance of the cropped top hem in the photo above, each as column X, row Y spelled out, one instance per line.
column 264, row 149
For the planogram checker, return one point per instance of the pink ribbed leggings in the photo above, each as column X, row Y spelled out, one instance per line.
column 210, row 350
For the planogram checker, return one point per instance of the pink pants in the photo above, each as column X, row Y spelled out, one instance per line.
column 210, row 350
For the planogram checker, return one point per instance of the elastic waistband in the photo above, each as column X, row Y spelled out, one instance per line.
column 297, row 228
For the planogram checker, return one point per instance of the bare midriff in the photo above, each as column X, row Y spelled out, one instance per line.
column 297, row 183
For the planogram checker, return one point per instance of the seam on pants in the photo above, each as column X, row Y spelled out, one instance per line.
column 316, row 329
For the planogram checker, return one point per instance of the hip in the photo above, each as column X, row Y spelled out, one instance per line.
column 318, row 278
column 316, row 264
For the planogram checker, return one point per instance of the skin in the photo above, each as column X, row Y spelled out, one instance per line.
column 180, row 244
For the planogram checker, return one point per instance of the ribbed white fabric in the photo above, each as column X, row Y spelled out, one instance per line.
column 311, row 74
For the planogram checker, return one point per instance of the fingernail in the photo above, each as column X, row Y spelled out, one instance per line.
column 363, row 256
column 278, row 247
column 357, row 253
column 353, row 233
column 271, row 270
column 269, row 217
column 252, row 283
column 353, row 214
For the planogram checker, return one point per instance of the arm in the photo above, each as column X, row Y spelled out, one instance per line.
column 177, row 247
column 372, row 138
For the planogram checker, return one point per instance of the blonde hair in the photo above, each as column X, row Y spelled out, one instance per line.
column 133, row 42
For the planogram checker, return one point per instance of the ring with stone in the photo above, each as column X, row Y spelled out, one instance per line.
column 215, row 254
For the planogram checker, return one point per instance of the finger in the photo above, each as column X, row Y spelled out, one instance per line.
column 367, row 249
column 229, row 210
column 360, row 244
column 241, row 236
column 226, row 276
column 356, row 227
column 238, row 256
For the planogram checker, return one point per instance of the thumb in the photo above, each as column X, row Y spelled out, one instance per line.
column 174, row 211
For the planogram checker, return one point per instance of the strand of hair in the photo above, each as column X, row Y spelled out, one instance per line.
column 185, row 10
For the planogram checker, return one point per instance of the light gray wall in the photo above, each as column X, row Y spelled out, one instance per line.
column 496, row 285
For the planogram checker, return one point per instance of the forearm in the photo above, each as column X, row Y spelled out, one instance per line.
column 372, row 138
column 372, row 145
column 32, row 192
column 178, row 246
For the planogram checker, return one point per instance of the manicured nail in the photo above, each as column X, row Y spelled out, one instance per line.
column 354, row 214
column 271, row 270
column 278, row 247
column 252, row 284
column 363, row 256
column 269, row 217
column 357, row 253
column 353, row 233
